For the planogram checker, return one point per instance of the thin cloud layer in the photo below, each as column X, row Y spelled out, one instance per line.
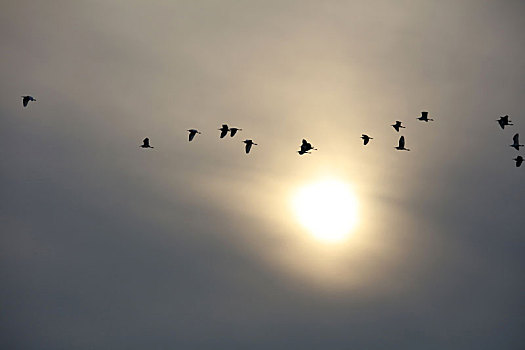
column 194, row 245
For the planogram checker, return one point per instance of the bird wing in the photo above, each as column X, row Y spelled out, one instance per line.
column 516, row 139
column 248, row 147
column 306, row 146
column 402, row 142
column 233, row 131
column 366, row 139
column 146, row 142
column 505, row 119
column 501, row 123
column 224, row 132
column 424, row 115
column 519, row 160
column 25, row 100
column 191, row 135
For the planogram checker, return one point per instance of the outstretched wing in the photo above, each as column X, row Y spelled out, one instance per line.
column 25, row 101
column 248, row 147
column 233, row 131
column 192, row 134
column 304, row 146
column 366, row 139
column 145, row 142
column 424, row 115
column 402, row 142
column 224, row 131
column 516, row 139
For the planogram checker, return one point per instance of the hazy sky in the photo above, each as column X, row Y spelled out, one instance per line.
column 194, row 245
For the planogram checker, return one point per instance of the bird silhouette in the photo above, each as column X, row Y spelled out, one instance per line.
column 306, row 147
column 398, row 125
column 224, row 130
column 145, row 143
column 192, row 134
column 401, row 146
column 366, row 139
column 516, row 143
column 424, row 117
column 519, row 160
column 249, row 144
column 504, row 121
column 233, row 131
column 26, row 99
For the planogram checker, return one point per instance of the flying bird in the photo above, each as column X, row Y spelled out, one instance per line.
column 306, row 147
column 366, row 139
column 145, row 143
column 401, row 146
column 224, row 130
column 398, row 125
column 519, row 160
column 192, row 134
column 504, row 121
column 424, row 117
column 26, row 99
column 233, row 131
column 516, row 143
column 249, row 144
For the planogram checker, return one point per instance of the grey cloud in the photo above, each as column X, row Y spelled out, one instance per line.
column 106, row 245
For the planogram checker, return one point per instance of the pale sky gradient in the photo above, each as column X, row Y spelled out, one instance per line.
column 194, row 245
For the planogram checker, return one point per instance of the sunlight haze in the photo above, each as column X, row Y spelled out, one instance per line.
column 198, row 245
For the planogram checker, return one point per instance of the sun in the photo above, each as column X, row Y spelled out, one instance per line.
column 328, row 209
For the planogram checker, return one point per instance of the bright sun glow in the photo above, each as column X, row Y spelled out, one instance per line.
column 327, row 208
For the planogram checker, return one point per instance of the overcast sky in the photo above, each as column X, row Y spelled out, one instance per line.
column 194, row 245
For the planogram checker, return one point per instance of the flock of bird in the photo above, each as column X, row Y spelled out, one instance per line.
column 503, row 122
column 306, row 147
column 224, row 131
